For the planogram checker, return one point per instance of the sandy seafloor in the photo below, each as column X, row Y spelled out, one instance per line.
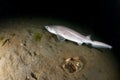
column 29, row 52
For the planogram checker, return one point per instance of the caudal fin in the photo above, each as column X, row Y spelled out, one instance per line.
column 98, row 44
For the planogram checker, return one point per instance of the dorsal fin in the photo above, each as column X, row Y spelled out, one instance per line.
column 88, row 37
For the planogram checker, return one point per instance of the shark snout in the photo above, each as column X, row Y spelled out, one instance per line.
column 46, row 27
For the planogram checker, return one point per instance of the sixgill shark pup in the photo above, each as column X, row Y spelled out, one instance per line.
column 71, row 35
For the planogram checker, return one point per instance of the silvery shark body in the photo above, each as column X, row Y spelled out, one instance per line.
column 69, row 34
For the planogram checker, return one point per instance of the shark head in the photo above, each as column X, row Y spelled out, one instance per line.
column 51, row 29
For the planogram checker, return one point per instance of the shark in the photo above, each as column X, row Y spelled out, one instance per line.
column 64, row 33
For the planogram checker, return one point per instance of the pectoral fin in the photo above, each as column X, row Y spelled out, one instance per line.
column 80, row 43
column 60, row 38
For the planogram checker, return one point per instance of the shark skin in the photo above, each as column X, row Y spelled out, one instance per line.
column 63, row 33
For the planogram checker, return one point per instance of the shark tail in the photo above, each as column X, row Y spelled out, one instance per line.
column 98, row 44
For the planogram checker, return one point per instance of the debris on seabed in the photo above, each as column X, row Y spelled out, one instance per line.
column 5, row 41
column 72, row 65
